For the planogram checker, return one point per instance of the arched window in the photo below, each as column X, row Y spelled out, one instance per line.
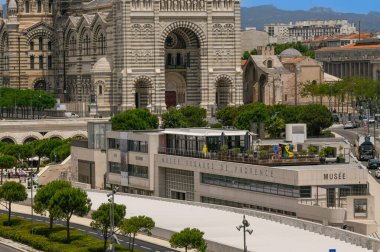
column 50, row 62
column 49, row 46
column 27, row 5
column 31, row 44
column 100, row 90
column 40, row 43
column 72, row 45
column 178, row 59
column 86, row 45
column 39, row 6
column 50, row 5
column 169, row 59
column 269, row 64
column 41, row 62
column 32, row 62
column 102, row 44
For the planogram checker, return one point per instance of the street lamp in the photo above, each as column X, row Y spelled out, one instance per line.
column 111, row 199
column 31, row 174
column 245, row 224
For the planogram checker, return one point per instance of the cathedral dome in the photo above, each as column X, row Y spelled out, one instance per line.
column 12, row 4
column 290, row 52
column 101, row 66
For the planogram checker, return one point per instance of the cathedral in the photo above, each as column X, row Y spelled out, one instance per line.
column 106, row 56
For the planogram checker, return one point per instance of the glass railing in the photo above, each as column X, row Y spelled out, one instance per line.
column 243, row 157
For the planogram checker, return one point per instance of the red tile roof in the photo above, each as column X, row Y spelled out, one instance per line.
column 295, row 60
column 350, row 47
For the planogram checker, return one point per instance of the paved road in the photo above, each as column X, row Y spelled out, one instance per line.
column 139, row 244
column 5, row 248
column 350, row 135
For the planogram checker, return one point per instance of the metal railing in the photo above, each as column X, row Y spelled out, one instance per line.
column 242, row 157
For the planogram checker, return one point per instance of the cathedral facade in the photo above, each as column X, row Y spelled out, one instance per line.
column 112, row 55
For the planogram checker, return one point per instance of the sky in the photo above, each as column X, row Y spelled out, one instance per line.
column 354, row 6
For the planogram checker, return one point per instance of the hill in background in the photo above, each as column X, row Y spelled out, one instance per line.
column 267, row 14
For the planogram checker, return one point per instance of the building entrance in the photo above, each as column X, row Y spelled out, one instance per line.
column 178, row 195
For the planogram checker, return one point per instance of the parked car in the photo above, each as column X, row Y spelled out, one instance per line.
column 348, row 125
column 371, row 120
column 373, row 164
column 71, row 115
column 377, row 173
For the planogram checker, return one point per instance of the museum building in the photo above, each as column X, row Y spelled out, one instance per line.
column 224, row 167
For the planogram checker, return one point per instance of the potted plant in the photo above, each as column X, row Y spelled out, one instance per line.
column 340, row 158
column 322, row 155
column 312, row 150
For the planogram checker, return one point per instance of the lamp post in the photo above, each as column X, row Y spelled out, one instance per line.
column 245, row 224
column 31, row 198
column 111, row 199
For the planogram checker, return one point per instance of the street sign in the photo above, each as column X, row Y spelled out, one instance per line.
column 332, row 250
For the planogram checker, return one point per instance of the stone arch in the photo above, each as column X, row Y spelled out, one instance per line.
column 40, row 84
column 184, row 24
column 143, row 88
column 56, row 137
column 29, row 139
column 85, row 41
column 249, row 77
column 42, row 31
column 32, row 135
column 8, row 139
column 262, row 84
column 79, row 134
column 223, row 84
column 175, row 85
column 54, row 134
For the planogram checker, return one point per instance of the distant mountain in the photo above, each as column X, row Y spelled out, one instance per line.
column 267, row 14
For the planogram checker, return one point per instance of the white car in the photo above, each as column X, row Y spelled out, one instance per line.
column 377, row 173
column 371, row 120
column 348, row 125
column 71, row 115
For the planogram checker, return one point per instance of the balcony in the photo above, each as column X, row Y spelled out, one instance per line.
column 242, row 157
column 175, row 66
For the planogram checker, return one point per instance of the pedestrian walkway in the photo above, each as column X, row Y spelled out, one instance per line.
column 17, row 208
column 18, row 246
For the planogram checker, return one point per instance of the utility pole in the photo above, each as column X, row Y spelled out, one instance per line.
column 245, row 224
column 19, row 63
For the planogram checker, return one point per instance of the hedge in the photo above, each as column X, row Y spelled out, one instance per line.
column 48, row 240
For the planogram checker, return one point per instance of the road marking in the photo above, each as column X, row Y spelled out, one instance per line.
column 81, row 230
column 145, row 248
column 92, row 232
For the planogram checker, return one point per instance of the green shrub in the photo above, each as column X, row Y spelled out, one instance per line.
column 48, row 240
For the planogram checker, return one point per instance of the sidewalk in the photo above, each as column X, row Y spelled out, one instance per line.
column 17, row 208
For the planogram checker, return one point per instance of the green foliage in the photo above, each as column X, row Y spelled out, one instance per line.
column 45, row 194
column 326, row 151
column 216, row 126
column 11, row 192
column 278, row 48
column 227, row 115
column 252, row 113
column 101, row 219
column 275, row 125
column 311, row 149
column 134, row 225
column 26, row 100
column 6, row 162
column 189, row 239
column 245, row 55
column 61, row 152
column 50, row 240
column 67, row 202
column 135, row 119
column 317, row 117
column 224, row 148
column 173, row 118
column 195, row 116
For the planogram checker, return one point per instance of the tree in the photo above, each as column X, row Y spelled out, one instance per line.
column 135, row 119
column 227, row 115
column 275, row 125
column 67, row 202
column 44, row 148
column 11, row 192
column 253, row 113
column 45, row 194
column 101, row 219
column 317, row 117
column 173, row 118
column 134, row 225
column 189, row 239
column 6, row 162
column 195, row 116
column 246, row 55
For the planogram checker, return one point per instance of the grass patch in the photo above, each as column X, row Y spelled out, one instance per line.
column 50, row 240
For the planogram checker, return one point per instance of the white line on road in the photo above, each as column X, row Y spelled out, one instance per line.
column 145, row 248
column 92, row 232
